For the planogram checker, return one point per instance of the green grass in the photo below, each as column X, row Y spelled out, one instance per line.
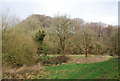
column 101, row 70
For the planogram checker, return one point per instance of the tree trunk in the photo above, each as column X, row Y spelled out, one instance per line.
column 86, row 55
column 62, row 49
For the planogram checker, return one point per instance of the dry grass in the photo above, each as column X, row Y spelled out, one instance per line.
column 25, row 72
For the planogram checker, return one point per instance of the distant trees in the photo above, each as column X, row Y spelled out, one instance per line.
column 97, row 28
column 60, row 34
column 78, row 23
column 108, row 31
column 75, row 36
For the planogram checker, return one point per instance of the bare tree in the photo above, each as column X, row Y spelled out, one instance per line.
column 63, row 28
column 8, row 20
column 78, row 23
column 98, row 28
column 87, row 41
column 108, row 30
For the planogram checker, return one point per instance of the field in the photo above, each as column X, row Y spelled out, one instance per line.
column 101, row 70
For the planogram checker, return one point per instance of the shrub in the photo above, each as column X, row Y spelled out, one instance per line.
column 18, row 49
column 39, row 37
column 43, row 58
column 56, row 60
column 44, row 49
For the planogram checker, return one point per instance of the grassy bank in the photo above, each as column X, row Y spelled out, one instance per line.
column 101, row 70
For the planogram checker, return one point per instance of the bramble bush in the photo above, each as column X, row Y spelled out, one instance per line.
column 55, row 60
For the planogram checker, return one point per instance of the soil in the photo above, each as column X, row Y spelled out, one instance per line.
column 90, row 59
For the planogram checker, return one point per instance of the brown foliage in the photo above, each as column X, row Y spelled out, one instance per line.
column 18, row 49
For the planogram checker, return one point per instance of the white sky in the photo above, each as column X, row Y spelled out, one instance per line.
column 105, row 11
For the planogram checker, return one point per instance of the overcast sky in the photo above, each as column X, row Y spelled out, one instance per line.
column 105, row 11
